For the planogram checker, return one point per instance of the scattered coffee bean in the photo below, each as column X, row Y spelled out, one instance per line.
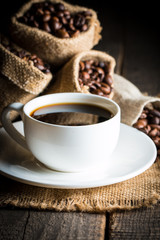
column 95, row 76
column 32, row 59
column 149, row 123
column 56, row 19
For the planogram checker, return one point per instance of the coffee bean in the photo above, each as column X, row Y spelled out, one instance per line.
column 108, row 79
column 84, row 27
column 66, row 13
column 100, row 70
column 156, row 140
column 51, row 8
column 46, row 17
column 101, row 64
column 106, row 90
column 82, row 65
column 46, row 27
column 55, row 25
column 60, row 14
column 155, row 126
column 59, row 7
column 39, row 12
column 87, row 13
column 79, row 20
column 154, row 120
column 71, row 27
column 96, row 83
column 153, row 132
column 64, row 21
column 35, row 24
column 75, row 34
column 141, row 123
column 47, row 12
column 99, row 92
column 52, row 17
column 143, row 115
column 62, row 33
column 155, row 112
column 85, row 75
column 146, row 130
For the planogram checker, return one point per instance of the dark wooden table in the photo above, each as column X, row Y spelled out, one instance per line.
column 131, row 37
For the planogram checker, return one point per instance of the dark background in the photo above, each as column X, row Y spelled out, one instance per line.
column 144, row 13
column 130, row 32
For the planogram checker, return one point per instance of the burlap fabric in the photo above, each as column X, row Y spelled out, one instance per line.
column 142, row 190
column 67, row 77
column 50, row 48
column 19, row 81
column 20, row 72
column 9, row 93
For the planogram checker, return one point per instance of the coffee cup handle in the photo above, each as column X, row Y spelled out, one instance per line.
column 8, row 125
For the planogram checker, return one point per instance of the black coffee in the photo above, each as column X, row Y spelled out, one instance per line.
column 71, row 114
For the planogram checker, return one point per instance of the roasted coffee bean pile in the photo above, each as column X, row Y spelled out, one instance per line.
column 94, row 75
column 32, row 59
column 56, row 19
column 149, row 123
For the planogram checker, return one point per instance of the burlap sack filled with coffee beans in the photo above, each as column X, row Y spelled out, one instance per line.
column 19, row 80
column 52, row 49
column 72, row 77
column 131, row 100
column 138, row 110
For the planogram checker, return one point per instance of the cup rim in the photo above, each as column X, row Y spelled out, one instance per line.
column 68, row 101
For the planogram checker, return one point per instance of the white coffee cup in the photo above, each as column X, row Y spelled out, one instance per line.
column 66, row 148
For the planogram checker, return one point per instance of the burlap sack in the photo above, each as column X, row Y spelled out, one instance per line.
column 19, row 82
column 131, row 100
column 50, row 48
column 67, row 77
column 20, row 72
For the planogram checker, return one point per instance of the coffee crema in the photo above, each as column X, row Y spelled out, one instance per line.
column 71, row 114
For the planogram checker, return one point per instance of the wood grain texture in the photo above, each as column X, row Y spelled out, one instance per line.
column 12, row 224
column 142, row 57
column 64, row 226
column 141, row 223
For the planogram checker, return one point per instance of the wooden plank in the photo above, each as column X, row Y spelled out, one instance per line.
column 142, row 57
column 141, row 223
column 64, row 226
column 12, row 224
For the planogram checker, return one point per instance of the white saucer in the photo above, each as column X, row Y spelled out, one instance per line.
column 134, row 154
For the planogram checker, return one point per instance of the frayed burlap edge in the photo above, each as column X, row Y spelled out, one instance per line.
column 67, row 77
column 127, row 195
column 54, row 50
column 21, row 73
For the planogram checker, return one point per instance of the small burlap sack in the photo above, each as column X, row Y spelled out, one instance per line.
column 19, row 82
column 20, row 72
column 50, row 48
column 131, row 100
column 142, row 190
column 67, row 77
